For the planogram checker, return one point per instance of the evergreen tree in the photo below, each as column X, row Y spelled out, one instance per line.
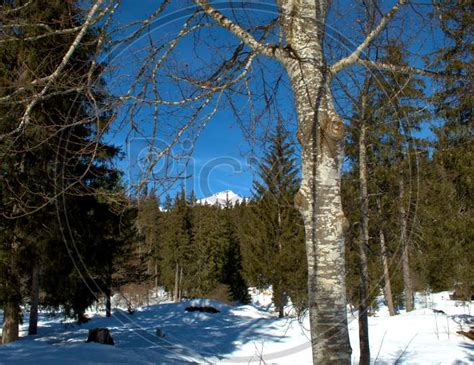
column 232, row 274
column 447, row 212
column 384, row 120
column 79, row 268
column 176, row 254
column 128, row 263
column 57, row 159
column 148, row 222
column 395, row 159
column 273, row 247
column 204, row 241
column 209, row 244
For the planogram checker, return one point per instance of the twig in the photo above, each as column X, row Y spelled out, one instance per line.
column 405, row 349
column 51, row 78
column 380, row 347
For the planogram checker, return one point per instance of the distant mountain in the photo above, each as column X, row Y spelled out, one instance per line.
column 221, row 198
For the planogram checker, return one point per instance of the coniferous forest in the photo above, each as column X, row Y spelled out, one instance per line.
column 362, row 196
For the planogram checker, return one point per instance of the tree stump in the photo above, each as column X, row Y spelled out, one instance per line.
column 100, row 335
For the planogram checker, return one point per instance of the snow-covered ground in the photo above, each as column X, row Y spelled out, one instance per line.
column 241, row 335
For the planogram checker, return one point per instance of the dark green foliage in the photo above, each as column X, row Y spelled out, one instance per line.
column 447, row 208
column 437, row 173
column 201, row 243
column 392, row 114
column 53, row 168
column 210, row 242
column 232, row 274
column 273, row 243
column 176, row 251
column 55, row 173
column 129, row 263
column 148, row 223
column 78, row 268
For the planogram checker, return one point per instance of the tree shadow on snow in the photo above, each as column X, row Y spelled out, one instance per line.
column 195, row 335
column 469, row 350
column 189, row 337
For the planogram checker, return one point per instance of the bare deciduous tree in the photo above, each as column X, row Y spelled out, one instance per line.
column 321, row 133
column 296, row 40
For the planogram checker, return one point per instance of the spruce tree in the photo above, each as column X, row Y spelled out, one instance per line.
column 447, row 213
column 176, row 255
column 209, row 244
column 148, row 223
column 273, row 248
column 52, row 168
column 232, row 270
column 384, row 120
column 395, row 158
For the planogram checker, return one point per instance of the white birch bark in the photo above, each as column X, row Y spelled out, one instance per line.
column 176, row 284
column 320, row 133
column 363, row 243
column 387, row 288
column 404, row 242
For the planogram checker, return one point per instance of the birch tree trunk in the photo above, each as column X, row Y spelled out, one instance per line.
column 319, row 202
column 156, row 278
column 320, row 133
column 180, row 284
column 387, row 288
column 407, row 286
column 176, row 284
column 33, row 321
column 363, row 245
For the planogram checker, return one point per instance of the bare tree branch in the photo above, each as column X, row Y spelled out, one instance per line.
column 144, row 23
column 49, row 32
column 40, row 36
column 51, row 78
column 16, row 9
column 377, row 65
column 237, row 30
column 354, row 56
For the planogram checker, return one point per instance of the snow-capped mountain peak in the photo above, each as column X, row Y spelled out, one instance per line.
column 221, row 198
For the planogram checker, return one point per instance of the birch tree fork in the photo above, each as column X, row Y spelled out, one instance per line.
column 300, row 51
column 295, row 39
column 320, row 133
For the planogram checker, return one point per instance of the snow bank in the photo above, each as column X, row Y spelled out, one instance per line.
column 242, row 334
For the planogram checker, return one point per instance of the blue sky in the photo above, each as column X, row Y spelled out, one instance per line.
column 222, row 155
column 222, row 152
